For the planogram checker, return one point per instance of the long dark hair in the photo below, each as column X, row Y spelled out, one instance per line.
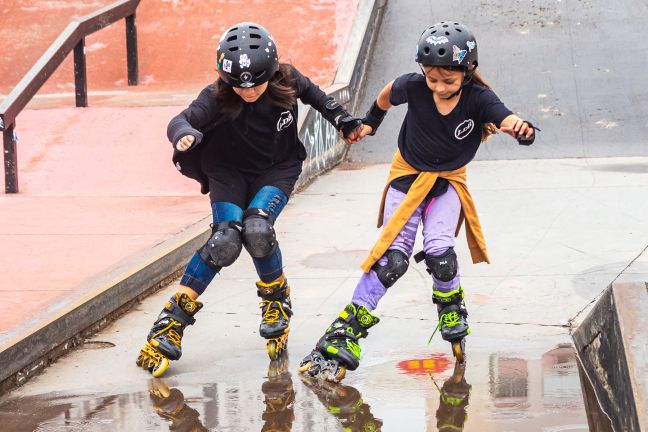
column 488, row 129
column 281, row 92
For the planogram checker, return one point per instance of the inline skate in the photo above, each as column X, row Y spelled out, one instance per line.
column 452, row 320
column 164, row 339
column 338, row 349
column 276, row 311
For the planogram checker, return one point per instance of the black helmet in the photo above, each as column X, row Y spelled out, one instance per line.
column 246, row 55
column 447, row 44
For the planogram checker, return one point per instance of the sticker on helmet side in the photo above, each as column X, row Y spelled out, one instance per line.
column 471, row 45
column 227, row 65
column 437, row 40
column 458, row 54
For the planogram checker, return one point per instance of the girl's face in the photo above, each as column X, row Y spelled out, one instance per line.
column 251, row 94
column 443, row 82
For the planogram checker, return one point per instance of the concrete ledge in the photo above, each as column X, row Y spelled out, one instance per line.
column 612, row 345
column 106, row 295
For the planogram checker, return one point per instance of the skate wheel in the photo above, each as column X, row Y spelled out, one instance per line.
column 458, row 350
column 160, row 368
column 140, row 360
column 303, row 368
column 338, row 376
column 272, row 349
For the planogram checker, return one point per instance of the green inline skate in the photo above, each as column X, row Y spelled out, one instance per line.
column 338, row 349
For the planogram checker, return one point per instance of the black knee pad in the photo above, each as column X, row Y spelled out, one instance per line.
column 443, row 267
column 224, row 246
column 259, row 236
column 395, row 267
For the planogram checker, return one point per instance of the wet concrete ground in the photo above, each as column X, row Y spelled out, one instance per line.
column 411, row 388
column 551, row 237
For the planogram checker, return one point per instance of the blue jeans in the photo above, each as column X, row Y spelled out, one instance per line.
column 198, row 274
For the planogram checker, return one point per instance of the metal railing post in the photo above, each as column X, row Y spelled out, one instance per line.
column 10, row 158
column 131, row 50
column 80, row 76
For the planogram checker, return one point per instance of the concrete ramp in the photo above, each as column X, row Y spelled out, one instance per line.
column 575, row 68
column 612, row 344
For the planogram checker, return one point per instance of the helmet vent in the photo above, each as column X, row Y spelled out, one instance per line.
column 254, row 46
column 231, row 38
column 234, row 48
column 434, row 32
column 458, row 29
column 442, row 51
column 445, row 25
column 255, row 36
column 254, row 27
column 233, row 29
column 447, row 33
column 426, row 50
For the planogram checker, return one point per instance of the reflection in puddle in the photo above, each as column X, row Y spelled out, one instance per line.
column 454, row 395
column 534, row 392
column 491, row 393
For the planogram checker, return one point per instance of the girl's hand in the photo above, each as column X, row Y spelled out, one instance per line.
column 185, row 143
column 357, row 135
column 519, row 130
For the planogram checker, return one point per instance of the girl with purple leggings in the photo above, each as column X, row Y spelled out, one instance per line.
column 450, row 112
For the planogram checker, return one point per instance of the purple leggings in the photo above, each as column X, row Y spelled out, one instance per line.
column 439, row 217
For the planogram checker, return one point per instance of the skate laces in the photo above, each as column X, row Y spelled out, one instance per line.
column 271, row 314
column 449, row 319
column 171, row 333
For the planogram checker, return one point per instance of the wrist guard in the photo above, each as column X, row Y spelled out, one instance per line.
column 374, row 117
column 527, row 141
column 341, row 119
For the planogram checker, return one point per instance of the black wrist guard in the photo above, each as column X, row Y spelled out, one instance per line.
column 527, row 141
column 374, row 117
column 340, row 118
column 348, row 124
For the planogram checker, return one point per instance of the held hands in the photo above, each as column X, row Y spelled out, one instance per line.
column 185, row 143
column 358, row 134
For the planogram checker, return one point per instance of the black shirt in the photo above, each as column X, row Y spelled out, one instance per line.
column 430, row 141
column 261, row 137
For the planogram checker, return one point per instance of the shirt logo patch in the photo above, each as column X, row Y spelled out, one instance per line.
column 285, row 120
column 464, row 129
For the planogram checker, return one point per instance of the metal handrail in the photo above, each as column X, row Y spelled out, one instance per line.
column 72, row 38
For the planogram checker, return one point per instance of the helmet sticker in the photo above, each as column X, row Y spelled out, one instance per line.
column 471, row 45
column 246, row 77
column 458, row 54
column 464, row 129
column 244, row 61
column 227, row 65
column 437, row 40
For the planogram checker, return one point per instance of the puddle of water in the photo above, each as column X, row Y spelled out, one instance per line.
column 426, row 392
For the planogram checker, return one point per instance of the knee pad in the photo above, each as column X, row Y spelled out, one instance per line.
column 258, row 233
column 224, row 246
column 395, row 267
column 443, row 267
